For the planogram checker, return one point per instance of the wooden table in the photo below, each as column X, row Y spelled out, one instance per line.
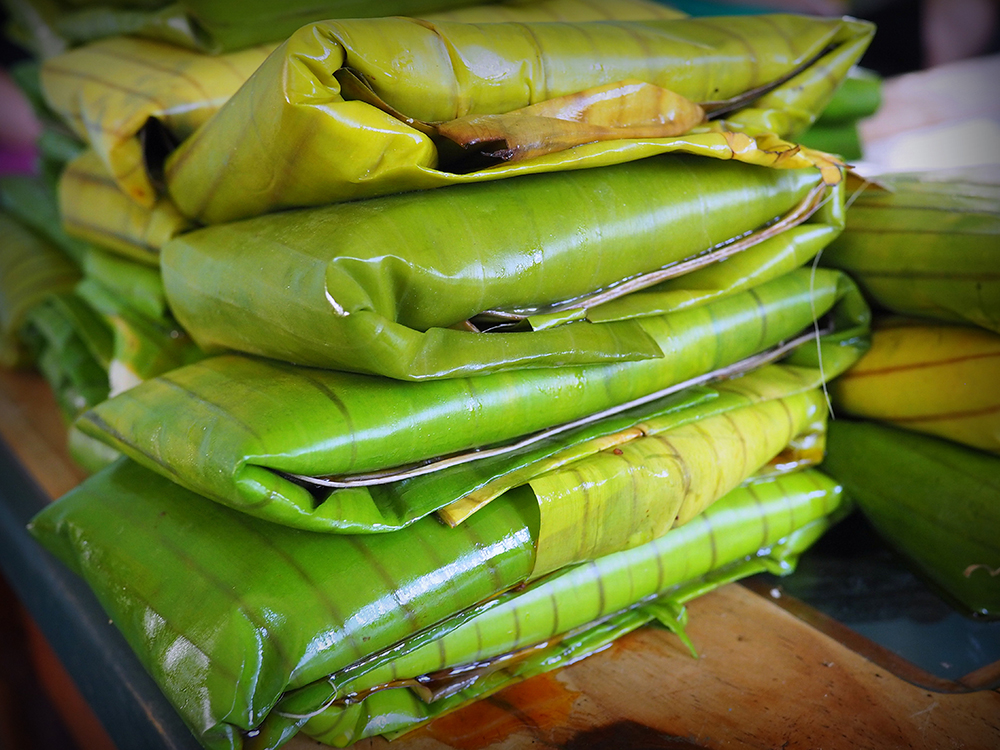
column 764, row 678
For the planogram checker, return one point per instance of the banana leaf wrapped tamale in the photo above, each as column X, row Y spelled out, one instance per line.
column 235, row 428
column 937, row 379
column 227, row 633
column 935, row 501
column 133, row 100
column 921, row 245
column 73, row 350
column 334, row 117
column 401, row 285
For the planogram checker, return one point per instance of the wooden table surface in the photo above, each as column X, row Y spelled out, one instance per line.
column 763, row 677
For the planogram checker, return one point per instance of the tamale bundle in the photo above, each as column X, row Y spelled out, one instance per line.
column 226, row 633
column 72, row 346
column 334, row 117
column 926, row 246
column 932, row 378
column 570, row 400
column 132, row 100
column 405, row 286
column 235, row 428
column 130, row 298
column 935, row 501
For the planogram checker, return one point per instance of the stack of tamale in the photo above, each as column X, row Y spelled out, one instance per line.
column 552, row 372
column 922, row 453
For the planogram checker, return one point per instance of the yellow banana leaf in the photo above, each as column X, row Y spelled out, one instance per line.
column 31, row 269
column 110, row 91
column 638, row 490
column 393, row 285
column 328, row 117
column 94, row 208
column 921, row 245
column 942, row 380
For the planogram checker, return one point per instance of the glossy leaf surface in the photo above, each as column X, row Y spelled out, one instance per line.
column 226, row 425
column 378, row 286
column 297, row 109
column 226, row 633
column 48, row 27
column 763, row 525
column 109, row 90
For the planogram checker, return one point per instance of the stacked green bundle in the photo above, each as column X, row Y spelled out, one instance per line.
column 927, row 476
column 452, row 438
column 92, row 323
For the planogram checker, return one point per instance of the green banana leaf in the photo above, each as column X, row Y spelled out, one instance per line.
column 32, row 201
column 836, row 130
column 935, row 378
column 926, row 247
column 31, row 268
column 859, row 96
column 936, row 502
column 50, row 26
column 226, row 633
column 351, row 127
column 382, row 286
column 232, row 427
column 147, row 340
column 72, row 346
column 134, row 99
column 93, row 208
